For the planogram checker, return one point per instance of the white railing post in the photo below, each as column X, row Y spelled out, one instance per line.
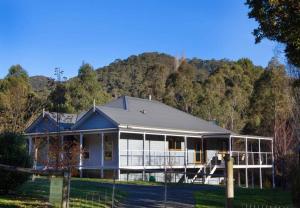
column 144, row 156
column 230, row 145
column 246, row 169
column 259, row 156
column 119, row 171
column 185, row 158
column 165, row 151
column 80, row 153
column 273, row 168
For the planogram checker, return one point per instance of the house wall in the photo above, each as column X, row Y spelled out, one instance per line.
column 93, row 146
column 158, row 175
column 114, row 161
column 191, row 149
column 131, row 149
column 42, row 151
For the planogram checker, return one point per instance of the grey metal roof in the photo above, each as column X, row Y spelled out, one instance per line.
column 153, row 114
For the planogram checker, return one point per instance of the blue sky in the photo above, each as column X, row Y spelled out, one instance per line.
column 42, row 35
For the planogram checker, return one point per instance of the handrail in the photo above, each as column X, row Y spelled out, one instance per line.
column 204, row 166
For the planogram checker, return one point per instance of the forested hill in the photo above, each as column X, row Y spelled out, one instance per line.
column 236, row 94
column 139, row 75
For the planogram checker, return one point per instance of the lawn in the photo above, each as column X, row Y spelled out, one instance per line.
column 215, row 198
column 84, row 193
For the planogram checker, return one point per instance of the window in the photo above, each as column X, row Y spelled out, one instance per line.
column 174, row 144
column 108, row 148
column 85, row 147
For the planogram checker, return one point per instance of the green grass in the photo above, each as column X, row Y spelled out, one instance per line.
column 216, row 198
column 84, row 193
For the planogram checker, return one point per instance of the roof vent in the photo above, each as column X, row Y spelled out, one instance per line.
column 143, row 111
column 150, row 97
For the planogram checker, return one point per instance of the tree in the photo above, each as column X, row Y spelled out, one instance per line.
column 279, row 21
column 225, row 94
column 13, row 151
column 82, row 90
column 18, row 104
column 154, row 82
column 271, row 113
column 181, row 88
column 58, row 98
column 17, row 71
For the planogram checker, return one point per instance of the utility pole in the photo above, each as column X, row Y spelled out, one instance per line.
column 67, row 171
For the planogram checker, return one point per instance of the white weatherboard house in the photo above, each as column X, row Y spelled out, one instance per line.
column 141, row 137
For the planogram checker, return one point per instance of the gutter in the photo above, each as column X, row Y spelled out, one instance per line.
column 168, row 130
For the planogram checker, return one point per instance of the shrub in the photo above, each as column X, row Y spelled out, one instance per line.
column 13, row 151
column 152, row 179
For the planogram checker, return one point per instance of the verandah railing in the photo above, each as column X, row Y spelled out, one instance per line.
column 151, row 158
column 177, row 158
column 254, row 158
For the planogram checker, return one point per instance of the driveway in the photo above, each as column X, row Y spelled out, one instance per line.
column 153, row 196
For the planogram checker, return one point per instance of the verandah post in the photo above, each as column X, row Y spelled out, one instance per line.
column 80, row 153
column 119, row 171
column 185, row 158
column 102, row 155
column 165, row 164
column 246, row 169
column 273, row 165
column 144, row 156
column 260, row 162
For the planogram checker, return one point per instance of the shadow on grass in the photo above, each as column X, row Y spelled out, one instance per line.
column 87, row 193
column 216, row 198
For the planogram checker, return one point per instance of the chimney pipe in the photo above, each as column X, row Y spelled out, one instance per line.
column 94, row 105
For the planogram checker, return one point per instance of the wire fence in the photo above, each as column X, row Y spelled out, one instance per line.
column 263, row 206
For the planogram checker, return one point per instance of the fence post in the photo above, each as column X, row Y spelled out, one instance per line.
column 165, row 194
column 229, row 181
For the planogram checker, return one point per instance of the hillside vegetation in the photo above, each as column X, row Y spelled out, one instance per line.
column 236, row 94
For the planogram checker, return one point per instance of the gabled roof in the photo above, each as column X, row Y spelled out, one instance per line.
column 153, row 114
column 138, row 113
column 66, row 120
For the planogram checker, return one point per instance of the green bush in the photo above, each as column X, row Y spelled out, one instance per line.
column 152, row 179
column 296, row 187
column 13, row 151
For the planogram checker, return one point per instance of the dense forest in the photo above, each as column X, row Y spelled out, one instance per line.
column 237, row 95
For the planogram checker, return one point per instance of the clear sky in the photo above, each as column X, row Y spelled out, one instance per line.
column 42, row 35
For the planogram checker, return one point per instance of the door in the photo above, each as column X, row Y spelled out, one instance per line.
column 198, row 152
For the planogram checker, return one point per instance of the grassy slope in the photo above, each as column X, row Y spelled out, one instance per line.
column 216, row 198
column 84, row 193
